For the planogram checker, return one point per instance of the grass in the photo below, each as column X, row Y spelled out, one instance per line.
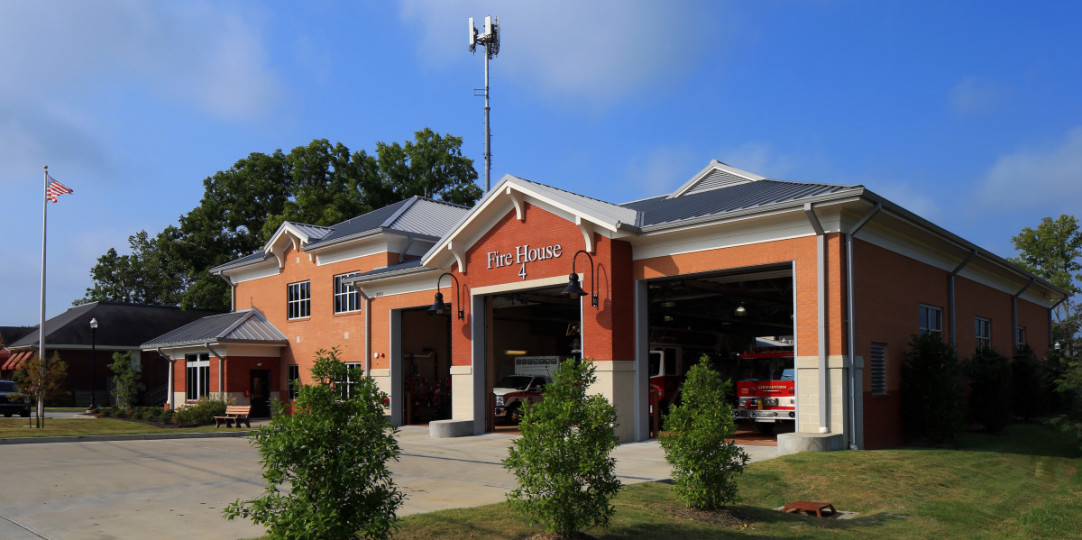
column 18, row 427
column 1024, row 484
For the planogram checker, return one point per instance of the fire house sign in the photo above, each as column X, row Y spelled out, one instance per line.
column 522, row 255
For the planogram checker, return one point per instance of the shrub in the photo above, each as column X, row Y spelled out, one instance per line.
column 933, row 406
column 152, row 413
column 1030, row 382
column 566, row 475
column 698, row 441
column 199, row 414
column 105, row 412
column 166, row 417
column 126, row 379
column 990, row 393
column 331, row 455
column 121, row 413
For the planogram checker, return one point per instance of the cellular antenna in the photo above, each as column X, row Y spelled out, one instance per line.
column 491, row 41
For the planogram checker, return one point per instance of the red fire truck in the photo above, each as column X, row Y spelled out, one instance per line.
column 766, row 390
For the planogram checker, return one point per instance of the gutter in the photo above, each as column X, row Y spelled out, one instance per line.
column 232, row 291
column 850, row 291
column 820, row 255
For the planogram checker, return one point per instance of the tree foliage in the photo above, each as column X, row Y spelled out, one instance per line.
column 563, row 463
column 933, row 406
column 991, row 394
column 1053, row 251
column 318, row 183
column 126, row 384
column 39, row 388
column 325, row 465
column 698, row 441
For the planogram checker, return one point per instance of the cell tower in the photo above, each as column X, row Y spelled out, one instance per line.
column 491, row 41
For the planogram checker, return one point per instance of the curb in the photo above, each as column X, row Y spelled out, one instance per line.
column 123, row 437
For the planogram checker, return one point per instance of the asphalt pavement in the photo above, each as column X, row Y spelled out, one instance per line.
column 177, row 488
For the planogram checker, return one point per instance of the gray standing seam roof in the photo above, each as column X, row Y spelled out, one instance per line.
column 416, row 215
column 245, row 326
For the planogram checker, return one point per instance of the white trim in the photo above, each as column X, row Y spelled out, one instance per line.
column 520, row 285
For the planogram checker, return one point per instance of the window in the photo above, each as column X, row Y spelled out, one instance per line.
column 197, row 381
column 298, row 300
column 1020, row 335
column 353, row 376
column 931, row 320
column 879, row 368
column 294, row 381
column 984, row 333
column 346, row 299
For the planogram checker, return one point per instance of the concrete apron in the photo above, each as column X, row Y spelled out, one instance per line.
column 176, row 488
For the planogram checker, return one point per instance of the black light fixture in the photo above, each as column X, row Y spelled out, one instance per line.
column 93, row 360
column 439, row 307
column 574, row 289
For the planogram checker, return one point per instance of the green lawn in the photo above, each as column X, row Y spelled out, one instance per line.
column 1025, row 484
column 17, row 427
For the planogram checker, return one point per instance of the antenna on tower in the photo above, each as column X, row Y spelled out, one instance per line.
column 491, row 42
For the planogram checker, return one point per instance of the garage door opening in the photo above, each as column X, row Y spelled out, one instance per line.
column 531, row 332
column 424, row 391
column 743, row 322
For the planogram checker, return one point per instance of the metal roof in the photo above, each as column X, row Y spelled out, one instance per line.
column 245, row 326
column 411, row 266
column 416, row 215
column 119, row 325
column 613, row 214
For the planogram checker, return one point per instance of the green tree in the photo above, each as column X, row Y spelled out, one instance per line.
column 318, row 184
column 325, row 465
column 42, row 385
column 126, row 385
column 698, row 441
column 933, row 406
column 563, row 463
column 1053, row 251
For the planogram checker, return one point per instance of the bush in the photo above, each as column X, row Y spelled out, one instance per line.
column 105, row 412
column 199, row 414
column 566, row 475
column 990, row 393
column 166, row 417
column 698, row 441
column 331, row 456
column 126, row 379
column 1031, row 384
column 120, row 413
column 933, row 406
column 152, row 413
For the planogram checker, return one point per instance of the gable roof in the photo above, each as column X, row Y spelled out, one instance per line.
column 119, row 325
column 244, row 326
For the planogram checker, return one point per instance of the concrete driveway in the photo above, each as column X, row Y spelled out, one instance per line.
column 177, row 488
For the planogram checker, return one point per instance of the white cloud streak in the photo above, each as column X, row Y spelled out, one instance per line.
column 1037, row 178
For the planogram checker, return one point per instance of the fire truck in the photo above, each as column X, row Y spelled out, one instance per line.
column 765, row 389
column 527, row 385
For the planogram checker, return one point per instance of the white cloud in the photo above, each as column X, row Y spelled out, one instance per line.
column 194, row 53
column 600, row 51
column 657, row 172
column 759, row 158
column 972, row 95
column 1030, row 178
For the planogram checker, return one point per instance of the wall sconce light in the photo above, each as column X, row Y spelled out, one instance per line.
column 439, row 307
column 741, row 311
column 574, row 289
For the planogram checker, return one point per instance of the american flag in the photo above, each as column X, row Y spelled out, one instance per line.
column 56, row 189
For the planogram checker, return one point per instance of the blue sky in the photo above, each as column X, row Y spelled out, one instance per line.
column 968, row 113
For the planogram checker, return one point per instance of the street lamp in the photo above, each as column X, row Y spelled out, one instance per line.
column 93, row 363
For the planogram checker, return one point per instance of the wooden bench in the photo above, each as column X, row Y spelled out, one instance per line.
column 811, row 507
column 234, row 413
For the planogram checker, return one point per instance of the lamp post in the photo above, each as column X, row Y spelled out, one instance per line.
column 93, row 360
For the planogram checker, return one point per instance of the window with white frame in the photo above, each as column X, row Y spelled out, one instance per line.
column 294, row 381
column 298, row 300
column 197, row 380
column 346, row 299
column 879, row 368
column 931, row 320
column 353, row 376
column 983, row 329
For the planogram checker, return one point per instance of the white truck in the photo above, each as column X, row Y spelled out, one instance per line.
column 527, row 385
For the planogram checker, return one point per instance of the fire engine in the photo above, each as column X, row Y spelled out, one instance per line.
column 766, row 390
column 526, row 386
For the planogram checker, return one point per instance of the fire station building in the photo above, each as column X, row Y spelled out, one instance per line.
column 728, row 263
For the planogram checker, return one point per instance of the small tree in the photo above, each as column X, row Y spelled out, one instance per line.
column 933, row 406
column 566, row 475
column 991, row 396
column 31, row 383
column 126, row 385
column 331, row 457
column 698, row 441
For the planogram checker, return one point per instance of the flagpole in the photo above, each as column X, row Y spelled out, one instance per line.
column 41, row 323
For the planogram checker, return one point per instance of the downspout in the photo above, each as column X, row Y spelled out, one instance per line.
column 851, row 309
column 402, row 255
column 232, row 292
column 1014, row 315
column 820, row 255
column 169, row 385
column 950, row 294
column 367, row 331
column 221, row 370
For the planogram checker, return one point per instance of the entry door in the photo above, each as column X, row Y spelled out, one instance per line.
column 259, row 389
